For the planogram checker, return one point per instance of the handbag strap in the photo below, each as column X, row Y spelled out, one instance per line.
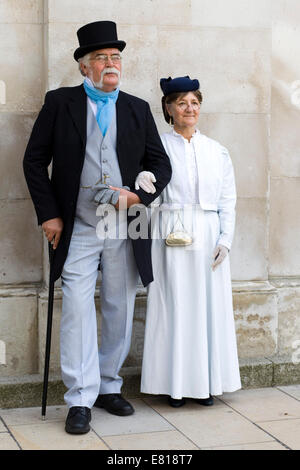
column 178, row 217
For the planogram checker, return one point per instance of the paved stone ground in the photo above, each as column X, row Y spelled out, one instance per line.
column 259, row 419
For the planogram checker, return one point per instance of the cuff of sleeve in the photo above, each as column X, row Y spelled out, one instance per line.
column 222, row 241
column 42, row 219
column 146, row 198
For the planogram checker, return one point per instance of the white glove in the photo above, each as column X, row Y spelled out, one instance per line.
column 145, row 180
column 219, row 255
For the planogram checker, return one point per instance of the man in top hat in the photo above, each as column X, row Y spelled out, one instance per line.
column 99, row 139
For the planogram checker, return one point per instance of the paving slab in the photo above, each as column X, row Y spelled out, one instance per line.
column 263, row 404
column 292, row 390
column 286, row 431
column 2, row 427
column 273, row 445
column 171, row 440
column 7, row 442
column 145, row 419
column 18, row 416
column 52, row 436
column 211, row 426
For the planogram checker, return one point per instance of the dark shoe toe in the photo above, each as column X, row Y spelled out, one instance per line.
column 175, row 402
column 115, row 404
column 206, row 401
column 78, row 419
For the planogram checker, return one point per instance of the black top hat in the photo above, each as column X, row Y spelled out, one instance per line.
column 97, row 35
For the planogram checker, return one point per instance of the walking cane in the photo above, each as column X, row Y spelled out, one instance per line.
column 48, row 334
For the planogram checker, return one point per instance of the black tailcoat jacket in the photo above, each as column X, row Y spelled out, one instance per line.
column 59, row 136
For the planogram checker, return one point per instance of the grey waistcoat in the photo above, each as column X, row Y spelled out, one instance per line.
column 100, row 159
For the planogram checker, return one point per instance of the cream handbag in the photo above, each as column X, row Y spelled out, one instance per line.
column 179, row 237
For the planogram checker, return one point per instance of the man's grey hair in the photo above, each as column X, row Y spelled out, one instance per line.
column 85, row 61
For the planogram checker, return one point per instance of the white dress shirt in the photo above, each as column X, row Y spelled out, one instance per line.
column 192, row 186
column 91, row 102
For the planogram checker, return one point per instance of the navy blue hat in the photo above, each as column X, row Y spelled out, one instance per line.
column 178, row 85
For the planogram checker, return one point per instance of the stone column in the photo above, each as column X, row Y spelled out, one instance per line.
column 284, row 254
column 21, row 78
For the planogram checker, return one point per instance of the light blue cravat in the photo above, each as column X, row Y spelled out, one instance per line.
column 105, row 104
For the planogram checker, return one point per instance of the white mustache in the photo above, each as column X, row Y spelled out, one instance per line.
column 99, row 84
column 110, row 70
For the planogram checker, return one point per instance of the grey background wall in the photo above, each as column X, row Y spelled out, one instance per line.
column 245, row 54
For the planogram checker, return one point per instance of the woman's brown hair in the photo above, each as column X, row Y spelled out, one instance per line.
column 173, row 97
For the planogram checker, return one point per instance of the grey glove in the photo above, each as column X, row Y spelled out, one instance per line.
column 105, row 195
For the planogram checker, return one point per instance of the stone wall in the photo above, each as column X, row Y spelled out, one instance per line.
column 245, row 54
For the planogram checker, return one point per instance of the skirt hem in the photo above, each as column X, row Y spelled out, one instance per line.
column 200, row 396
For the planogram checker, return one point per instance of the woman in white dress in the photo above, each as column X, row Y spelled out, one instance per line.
column 190, row 343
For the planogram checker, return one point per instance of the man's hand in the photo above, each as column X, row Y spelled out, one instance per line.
column 131, row 198
column 53, row 229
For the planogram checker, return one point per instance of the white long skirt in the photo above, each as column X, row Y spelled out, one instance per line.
column 190, row 342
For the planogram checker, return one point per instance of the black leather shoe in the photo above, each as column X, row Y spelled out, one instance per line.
column 175, row 402
column 206, row 401
column 114, row 403
column 78, row 419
